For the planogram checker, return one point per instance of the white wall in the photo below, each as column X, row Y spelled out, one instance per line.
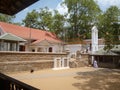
column 73, row 48
column 58, row 48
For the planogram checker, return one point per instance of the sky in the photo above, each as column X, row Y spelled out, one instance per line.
column 56, row 4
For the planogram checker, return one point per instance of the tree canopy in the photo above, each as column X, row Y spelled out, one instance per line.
column 6, row 18
column 109, row 27
column 46, row 20
column 82, row 14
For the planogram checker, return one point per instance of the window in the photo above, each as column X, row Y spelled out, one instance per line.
column 22, row 48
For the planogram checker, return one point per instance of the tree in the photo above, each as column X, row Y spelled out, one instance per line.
column 39, row 19
column 109, row 29
column 6, row 18
column 82, row 14
column 57, row 25
column 31, row 20
column 44, row 19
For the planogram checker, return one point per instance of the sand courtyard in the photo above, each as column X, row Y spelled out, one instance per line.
column 84, row 78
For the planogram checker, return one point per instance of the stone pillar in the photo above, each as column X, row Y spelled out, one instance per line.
column 17, row 46
column 36, row 49
column 66, row 62
column 63, row 62
column 57, row 63
column 2, row 45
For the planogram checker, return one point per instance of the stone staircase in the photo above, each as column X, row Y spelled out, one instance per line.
column 74, row 63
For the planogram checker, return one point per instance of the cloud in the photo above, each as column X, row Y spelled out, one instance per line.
column 104, row 4
column 62, row 8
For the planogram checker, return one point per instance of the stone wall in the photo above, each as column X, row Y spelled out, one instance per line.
column 25, row 61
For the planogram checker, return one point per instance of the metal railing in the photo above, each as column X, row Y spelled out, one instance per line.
column 9, row 83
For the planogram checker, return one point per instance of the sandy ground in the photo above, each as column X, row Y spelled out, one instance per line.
column 84, row 78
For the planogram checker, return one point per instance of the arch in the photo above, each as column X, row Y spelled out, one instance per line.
column 50, row 49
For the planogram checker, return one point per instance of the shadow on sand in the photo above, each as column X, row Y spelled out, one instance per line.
column 101, row 79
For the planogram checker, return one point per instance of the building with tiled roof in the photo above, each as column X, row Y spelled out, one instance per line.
column 19, row 38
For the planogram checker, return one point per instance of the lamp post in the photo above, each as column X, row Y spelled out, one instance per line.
column 29, row 38
column 29, row 41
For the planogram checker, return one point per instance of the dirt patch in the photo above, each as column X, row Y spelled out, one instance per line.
column 84, row 78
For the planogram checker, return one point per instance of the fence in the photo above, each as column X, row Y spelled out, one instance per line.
column 8, row 83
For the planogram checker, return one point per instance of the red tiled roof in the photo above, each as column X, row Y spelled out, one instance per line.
column 24, row 32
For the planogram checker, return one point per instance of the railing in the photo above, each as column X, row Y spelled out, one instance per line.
column 8, row 83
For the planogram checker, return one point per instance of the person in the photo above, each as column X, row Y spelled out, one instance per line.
column 95, row 64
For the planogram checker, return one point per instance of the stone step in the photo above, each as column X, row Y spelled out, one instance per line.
column 78, row 63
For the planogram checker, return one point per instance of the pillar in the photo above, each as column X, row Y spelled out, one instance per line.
column 2, row 45
column 57, row 63
column 63, row 63
column 17, row 46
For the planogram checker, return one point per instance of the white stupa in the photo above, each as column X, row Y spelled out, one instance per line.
column 94, row 39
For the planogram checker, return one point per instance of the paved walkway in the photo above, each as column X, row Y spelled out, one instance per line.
column 68, row 79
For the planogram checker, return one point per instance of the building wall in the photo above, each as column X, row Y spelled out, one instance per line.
column 56, row 48
column 73, row 48
column 24, row 61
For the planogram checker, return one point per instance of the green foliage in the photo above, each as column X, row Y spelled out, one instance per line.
column 6, row 18
column 38, row 19
column 109, row 29
column 31, row 19
column 82, row 14
column 45, row 20
column 58, row 23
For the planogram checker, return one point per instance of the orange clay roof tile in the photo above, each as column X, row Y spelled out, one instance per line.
column 24, row 32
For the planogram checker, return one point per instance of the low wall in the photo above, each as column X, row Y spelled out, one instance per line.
column 25, row 61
